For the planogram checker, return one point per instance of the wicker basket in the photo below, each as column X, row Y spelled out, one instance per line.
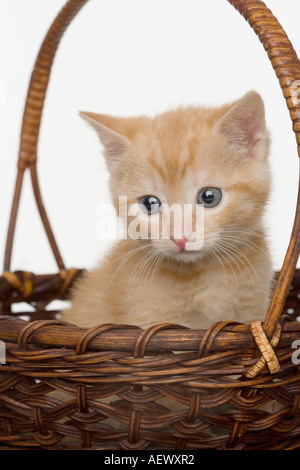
column 166, row 387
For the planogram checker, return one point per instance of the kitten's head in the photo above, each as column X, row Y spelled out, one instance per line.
column 193, row 175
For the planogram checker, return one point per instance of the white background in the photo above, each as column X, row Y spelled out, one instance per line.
column 126, row 58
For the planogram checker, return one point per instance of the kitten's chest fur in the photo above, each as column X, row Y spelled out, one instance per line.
column 194, row 296
column 170, row 299
column 197, row 301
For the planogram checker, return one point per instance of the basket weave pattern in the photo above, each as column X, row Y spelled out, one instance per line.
column 233, row 386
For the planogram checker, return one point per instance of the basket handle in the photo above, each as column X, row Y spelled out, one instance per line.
column 285, row 64
column 31, row 126
column 39, row 83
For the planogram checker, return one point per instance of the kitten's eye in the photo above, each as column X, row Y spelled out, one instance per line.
column 150, row 204
column 210, row 197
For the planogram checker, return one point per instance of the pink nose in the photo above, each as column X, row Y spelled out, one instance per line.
column 180, row 243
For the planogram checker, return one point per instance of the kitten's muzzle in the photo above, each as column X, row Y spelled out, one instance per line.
column 180, row 243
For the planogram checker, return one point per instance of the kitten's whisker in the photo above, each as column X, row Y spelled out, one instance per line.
column 142, row 265
column 139, row 248
column 253, row 232
column 153, row 266
column 139, row 268
column 225, row 254
column 215, row 255
column 126, row 257
column 147, row 268
column 251, row 245
column 234, row 250
column 158, row 263
column 220, row 250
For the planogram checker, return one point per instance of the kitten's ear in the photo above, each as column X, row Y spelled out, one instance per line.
column 244, row 125
column 110, row 131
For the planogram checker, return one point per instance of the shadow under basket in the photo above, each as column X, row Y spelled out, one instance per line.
column 232, row 386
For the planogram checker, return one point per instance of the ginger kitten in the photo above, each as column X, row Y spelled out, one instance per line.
column 218, row 267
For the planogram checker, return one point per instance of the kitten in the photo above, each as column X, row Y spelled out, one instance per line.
column 218, row 267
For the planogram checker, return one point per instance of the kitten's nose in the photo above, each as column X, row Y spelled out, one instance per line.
column 180, row 242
